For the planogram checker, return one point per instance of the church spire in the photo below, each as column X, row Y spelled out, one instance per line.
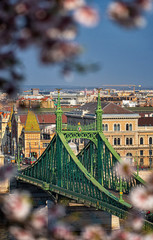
column 58, row 113
column 99, row 112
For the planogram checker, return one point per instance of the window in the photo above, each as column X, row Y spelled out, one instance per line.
column 105, row 127
column 118, row 127
column 46, row 136
column 129, row 154
column 117, row 141
column 150, row 152
column 150, row 140
column 141, row 140
column 129, row 127
column 129, row 141
column 141, row 152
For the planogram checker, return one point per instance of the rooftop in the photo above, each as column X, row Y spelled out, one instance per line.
column 108, row 108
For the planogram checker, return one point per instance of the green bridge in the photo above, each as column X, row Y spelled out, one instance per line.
column 87, row 178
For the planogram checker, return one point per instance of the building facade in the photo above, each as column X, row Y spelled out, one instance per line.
column 122, row 128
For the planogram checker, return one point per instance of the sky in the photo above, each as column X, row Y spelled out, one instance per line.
column 124, row 56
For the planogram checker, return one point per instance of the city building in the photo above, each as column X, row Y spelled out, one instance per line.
column 123, row 129
column 29, row 134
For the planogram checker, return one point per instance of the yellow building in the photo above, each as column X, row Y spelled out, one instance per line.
column 33, row 132
column 122, row 128
column 31, row 136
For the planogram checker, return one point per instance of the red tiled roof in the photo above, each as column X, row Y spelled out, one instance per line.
column 145, row 121
column 23, row 118
column 44, row 99
column 112, row 108
column 108, row 108
column 49, row 118
column 44, row 118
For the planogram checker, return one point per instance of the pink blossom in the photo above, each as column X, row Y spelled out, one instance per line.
column 17, row 205
column 39, row 219
column 56, row 211
column 21, row 8
column 148, row 237
column 118, row 10
column 21, row 234
column 145, row 4
column 6, row 172
column 72, row 4
column 124, row 168
column 140, row 22
column 127, row 14
column 135, row 221
column 93, row 232
column 63, row 232
column 119, row 235
column 134, row 236
column 60, row 51
column 56, row 33
column 141, row 198
column 87, row 16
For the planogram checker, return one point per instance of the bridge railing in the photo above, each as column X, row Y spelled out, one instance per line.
column 79, row 128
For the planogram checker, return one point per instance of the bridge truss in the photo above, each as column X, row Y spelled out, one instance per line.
column 89, row 177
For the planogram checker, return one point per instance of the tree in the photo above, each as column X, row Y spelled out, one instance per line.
column 51, row 26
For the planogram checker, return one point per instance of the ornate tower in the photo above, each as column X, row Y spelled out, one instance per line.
column 58, row 113
column 99, row 113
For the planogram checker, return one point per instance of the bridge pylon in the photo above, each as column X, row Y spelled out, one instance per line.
column 99, row 113
column 58, row 113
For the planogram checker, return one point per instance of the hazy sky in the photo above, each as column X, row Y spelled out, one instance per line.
column 125, row 56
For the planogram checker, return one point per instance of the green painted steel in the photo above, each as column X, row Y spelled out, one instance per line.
column 89, row 177
column 99, row 112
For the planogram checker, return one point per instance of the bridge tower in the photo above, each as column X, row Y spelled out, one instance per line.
column 99, row 129
column 58, row 113
column 99, row 113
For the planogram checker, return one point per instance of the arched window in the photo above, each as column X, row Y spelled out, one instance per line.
column 127, row 141
column 115, row 142
column 130, row 127
column 129, row 154
column 141, row 140
column 106, row 127
column 131, row 141
column 115, row 127
column 150, row 140
column 103, row 127
column 127, row 127
column 118, row 141
column 118, row 127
